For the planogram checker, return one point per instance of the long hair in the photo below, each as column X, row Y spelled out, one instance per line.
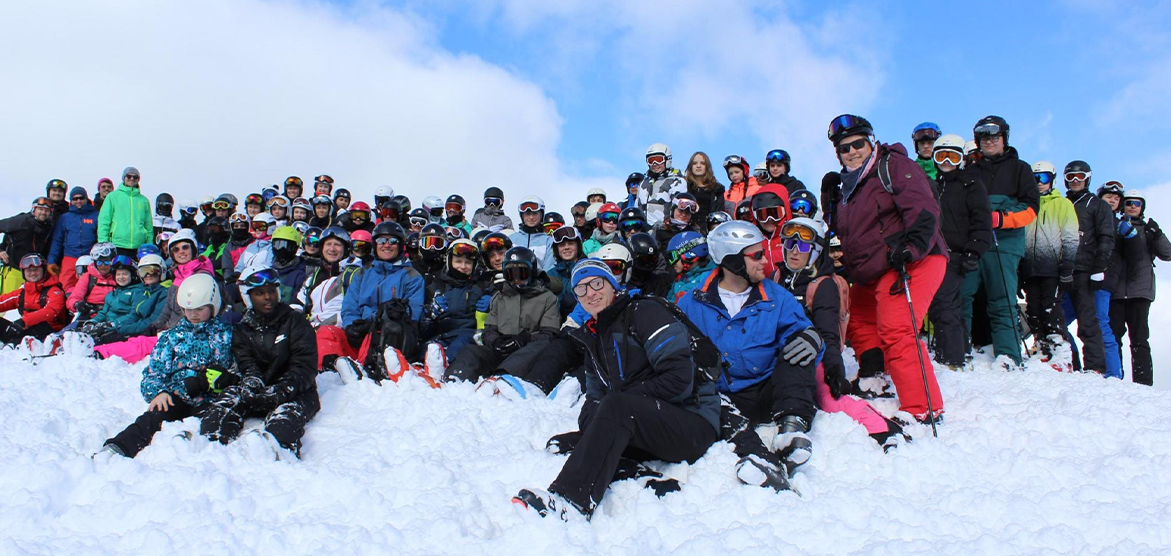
column 707, row 182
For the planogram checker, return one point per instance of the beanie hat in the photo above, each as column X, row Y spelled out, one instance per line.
column 130, row 170
column 591, row 267
column 78, row 191
column 105, row 180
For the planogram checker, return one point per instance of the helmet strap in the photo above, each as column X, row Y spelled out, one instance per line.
column 735, row 265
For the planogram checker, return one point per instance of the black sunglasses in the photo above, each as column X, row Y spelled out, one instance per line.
column 856, row 144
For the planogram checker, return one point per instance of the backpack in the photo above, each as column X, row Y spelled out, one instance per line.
column 843, row 301
column 708, row 363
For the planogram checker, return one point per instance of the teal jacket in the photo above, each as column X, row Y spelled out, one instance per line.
column 125, row 219
column 690, row 280
column 133, row 308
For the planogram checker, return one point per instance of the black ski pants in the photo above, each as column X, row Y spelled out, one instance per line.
column 138, row 435
column 559, row 358
column 224, row 418
column 1043, row 305
column 1131, row 316
column 649, row 428
column 475, row 362
column 946, row 319
column 1093, row 350
column 9, row 336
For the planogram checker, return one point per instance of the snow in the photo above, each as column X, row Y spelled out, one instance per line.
column 1034, row 462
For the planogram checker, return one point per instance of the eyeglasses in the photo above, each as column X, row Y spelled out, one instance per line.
column 149, row 270
column 792, row 229
column 984, row 131
column 454, row 207
column 497, row 201
column 1043, row 178
column 260, row 278
column 273, row 201
column 796, row 243
column 530, row 207
column 584, row 287
column 617, row 266
column 359, row 215
column 389, row 240
column 802, row 206
column 1080, row 176
column 687, row 205
column 633, row 224
column 756, row 256
column 949, row 156
column 565, row 233
column 609, row 217
column 856, row 144
column 776, row 155
column 1137, row 203
column 765, row 214
column 260, row 226
column 432, row 243
column 221, row 205
column 653, row 159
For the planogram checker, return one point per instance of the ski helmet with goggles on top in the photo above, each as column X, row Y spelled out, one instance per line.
column 123, row 262
column 520, row 267
column 495, row 241
column 1112, row 186
column 990, row 126
column 256, row 276
column 804, row 235
column 201, row 290
column 926, row 131
column 687, row 247
column 618, row 258
column 737, row 161
column 659, row 154
column 779, row 155
column 336, row 233
column 716, row 218
column 846, row 125
column 33, row 260
column 103, row 252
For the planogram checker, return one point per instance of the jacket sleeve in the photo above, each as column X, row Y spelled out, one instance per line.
column 77, row 293
column 54, row 306
column 979, row 218
column 242, row 349
column 551, row 317
column 413, row 291
column 1028, row 204
column 1159, row 246
column 915, row 201
column 104, row 217
column 143, row 320
column 106, row 313
column 13, row 223
column 668, row 349
column 1066, row 217
column 1104, row 228
column 302, row 371
column 57, row 245
column 168, row 311
column 594, row 391
column 826, row 308
column 351, row 304
column 10, row 300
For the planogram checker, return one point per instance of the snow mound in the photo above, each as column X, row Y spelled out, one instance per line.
column 1034, row 462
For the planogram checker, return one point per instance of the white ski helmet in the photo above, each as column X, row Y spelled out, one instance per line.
column 432, row 202
column 531, row 199
column 819, row 234
column 266, row 218
column 150, row 260
column 950, row 141
column 616, row 252
column 1044, row 166
column 596, row 191
column 659, row 148
column 969, row 146
column 1134, row 194
column 197, row 291
column 731, row 238
column 384, row 191
column 255, row 276
column 592, row 211
column 186, row 234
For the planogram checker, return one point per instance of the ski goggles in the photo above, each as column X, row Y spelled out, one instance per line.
column 687, row 205
column 948, row 156
column 1077, row 176
column 550, row 227
column 617, row 266
column 206, row 207
column 260, row 278
column 518, row 273
column 634, row 180
column 494, row 201
column 776, row 155
column 802, row 206
column 843, row 123
column 684, row 252
column 148, row 270
column 164, row 206
column 221, row 205
column 987, row 130
column 855, row 145
column 390, row 240
column 800, row 231
column 102, row 251
column 312, row 239
column 1113, row 187
column 609, row 217
column 57, row 184
column 794, row 243
column 433, row 243
column 188, row 211
column 633, row 225
column 359, row 215
column 733, row 160
column 388, row 213
column 454, row 207
column 294, row 182
column 30, row 260
column 577, row 214
column 418, row 221
column 495, row 244
column 464, row 250
column 436, row 212
column 254, row 199
column 925, row 135
column 646, row 261
column 765, row 214
column 1136, row 203
column 565, row 233
column 260, row 226
column 323, row 178
column 653, row 159
column 283, row 245
column 1044, row 178
column 530, row 207
column 322, row 200
column 275, row 201
column 42, row 202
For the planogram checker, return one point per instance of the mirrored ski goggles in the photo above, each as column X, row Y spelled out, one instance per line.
column 495, row 244
column 281, row 201
column 254, row 199
column 1113, row 187
column 842, row 123
column 609, row 217
column 464, row 250
column 148, row 270
column 684, row 255
column 436, row 212
column 494, row 201
column 418, row 221
column 454, row 207
column 57, row 184
column 633, row 224
column 987, row 130
column 656, row 159
column 518, row 273
column 388, row 213
column 432, row 243
column 359, row 215
column 948, row 156
column 634, row 180
column 1080, row 176
column 530, row 207
column 802, row 206
column 795, row 243
column 260, row 278
column 1044, row 178
column 163, row 237
column 323, row 178
column 295, row 182
column 550, row 227
column 617, row 266
column 927, row 134
column 260, row 226
column 1136, row 203
column 804, row 233
column 188, row 211
column 221, row 205
column 390, row 240
column 775, row 214
column 283, row 245
column 361, row 247
column 30, row 260
column 776, row 155
column 733, row 160
column 687, row 205
column 321, row 200
column 565, row 233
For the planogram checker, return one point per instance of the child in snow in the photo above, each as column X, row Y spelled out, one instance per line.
column 89, row 293
column 130, row 309
column 40, row 301
column 190, row 363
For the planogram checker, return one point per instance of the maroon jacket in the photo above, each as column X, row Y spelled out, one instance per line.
column 869, row 220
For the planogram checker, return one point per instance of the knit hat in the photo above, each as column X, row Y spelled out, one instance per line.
column 591, row 267
column 78, row 191
column 105, row 180
column 130, row 170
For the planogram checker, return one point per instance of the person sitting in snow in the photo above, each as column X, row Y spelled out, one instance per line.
column 40, row 302
column 191, row 363
column 89, row 293
column 130, row 309
column 645, row 396
column 276, row 357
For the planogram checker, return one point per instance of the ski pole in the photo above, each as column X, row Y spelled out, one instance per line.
column 919, row 350
column 1008, row 296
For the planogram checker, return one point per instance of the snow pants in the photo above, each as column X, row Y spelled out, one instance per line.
column 998, row 275
column 559, row 358
column 476, row 362
column 138, row 435
column 9, row 336
column 224, row 418
column 638, row 427
column 944, row 312
column 879, row 318
column 1130, row 316
column 858, row 409
column 1113, row 357
column 1089, row 330
column 68, row 275
column 1042, row 305
column 132, row 350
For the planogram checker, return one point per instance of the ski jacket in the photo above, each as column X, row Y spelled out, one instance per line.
column 737, row 192
column 91, row 288
column 870, row 220
column 690, row 280
column 24, row 234
column 382, row 282
column 710, row 200
column 774, row 252
column 160, row 223
column 1051, row 240
column 513, row 313
column 279, row 348
column 37, row 303
column 492, row 218
column 215, row 254
column 964, row 216
column 637, row 346
column 320, row 222
column 325, row 288
column 133, row 308
column 183, row 351
column 1136, row 278
column 598, row 239
column 231, row 256
column 539, row 242
column 561, row 272
column 826, row 307
column 750, row 342
column 790, row 183
column 126, row 218
column 258, row 253
column 461, row 297
column 1096, row 228
column 292, row 276
column 1012, row 189
column 59, row 209
column 656, row 192
column 74, row 234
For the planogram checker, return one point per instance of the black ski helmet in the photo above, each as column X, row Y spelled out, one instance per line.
column 716, row 218
column 520, row 267
column 1078, row 166
column 389, row 228
column 552, row 221
column 404, row 203
column 494, row 192
column 990, row 126
column 164, row 199
column 804, row 195
column 645, row 251
column 458, row 199
column 847, row 125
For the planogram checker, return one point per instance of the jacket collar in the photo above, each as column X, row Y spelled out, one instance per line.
column 709, row 292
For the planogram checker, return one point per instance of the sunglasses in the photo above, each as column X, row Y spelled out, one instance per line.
column 656, row 159
column 949, row 156
column 1044, row 178
column 78, row 199
column 433, row 243
column 1133, row 203
column 804, row 233
column 260, row 278
column 130, row 177
column 856, row 144
column 1080, row 176
column 181, row 246
column 389, row 240
column 530, row 207
column 766, row 214
column 801, row 205
column 756, row 255
column 596, row 284
column 565, row 233
column 795, row 243
column 609, row 217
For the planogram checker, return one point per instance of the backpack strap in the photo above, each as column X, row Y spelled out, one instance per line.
column 884, row 173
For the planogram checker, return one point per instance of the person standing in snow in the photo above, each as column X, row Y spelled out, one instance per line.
column 27, row 232
column 924, row 136
column 1051, row 244
column 1141, row 240
column 778, row 164
column 190, row 365
column 1096, row 229
column 125, row 217
column 492, row 215
column 74, row 235
column 645, row 397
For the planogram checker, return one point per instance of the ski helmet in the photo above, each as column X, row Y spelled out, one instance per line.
column 744, row 211
column 633, row 180
column 148, row 264
column 809, row 236
column 188, row 235
column 255, row 276
column 494, row 193
column 596, row 191
column 520, row 267
column 1135, row 194
column 716, row 218
column 56, row 184
column 760, row 172
column 164, row 203
column 803, row 200
column 607, row 209
column 199, row 290
column 1044, row 172
column 1112, row 186
column 730, row 238
column 1077, row 167
column 404, row 203
column 926, row 131
column 432, row 239
column 688, row 247
column 616, row 256
column 294, row 181
column 495, row 241
column 552, row 221
column 645, row 251
column 419, row 217
column 779, row 155
column 338, row 233
column 266, row 218
column 659, row 149
column 382, row 193
column 991, row 126
column 950, row 142
column 632, row 219
column 463, row 248
column 144, row 250
column 390, row 228
column 532, row 203
column 322, row 200
column 846, row 125
column 735, row 160
column 433, row 205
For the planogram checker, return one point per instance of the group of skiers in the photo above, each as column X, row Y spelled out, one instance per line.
column 681, row 313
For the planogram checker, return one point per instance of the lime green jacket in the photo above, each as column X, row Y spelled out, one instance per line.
column 125, row 219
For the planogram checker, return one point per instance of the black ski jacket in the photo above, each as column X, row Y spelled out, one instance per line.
column 1096, row 231
column 826, row 305
column 24, row 234
column 791, row 184
column 280, row 348
column 964, row 215
column 1136, row 276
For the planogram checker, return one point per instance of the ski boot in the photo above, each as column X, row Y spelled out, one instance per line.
column 435, row 364
column 348, row 369
column 872, row 382
column 792, row 443
column 893, row 437
column 546, row 503
column 754, row 470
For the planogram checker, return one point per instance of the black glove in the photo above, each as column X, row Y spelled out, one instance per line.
column 1064, row 283
column 251, row 389
column 524, row 338
column 83, row 308
column 18, row 327
column 356, row 332
column 277, row 394
column 1153, row 229
column 209, row 381
column 830, row 191
column 898, row 257
column 802, row 348
column 835, row 378
column 969, row 262
column 109, row 337
column 505, row 345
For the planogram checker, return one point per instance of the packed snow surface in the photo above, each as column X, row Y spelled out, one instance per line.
column 1034, row 462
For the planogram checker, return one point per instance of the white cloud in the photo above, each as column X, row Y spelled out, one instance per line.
column 230, row 95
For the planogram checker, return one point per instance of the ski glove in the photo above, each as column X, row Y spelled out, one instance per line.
column 356, row 332
column 899, row 256
column 1097, row 280
column 802, row 348
column 277, row 394
column 84, row 308
column 835, row 378
column 209, row 381
column 1153, row 229
column 251, row 388
column 1125, row 229
column 505, row 346
column 484, row 304
column 439, row 306
column 970, row 262
column 17, row 326
column 1064, row 284
column 997, row 218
